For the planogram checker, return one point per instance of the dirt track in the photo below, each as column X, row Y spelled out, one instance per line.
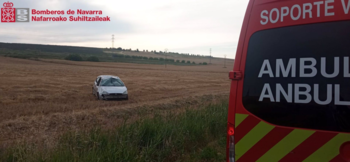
column 39, row 99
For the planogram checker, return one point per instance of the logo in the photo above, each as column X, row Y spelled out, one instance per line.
column 10, row 14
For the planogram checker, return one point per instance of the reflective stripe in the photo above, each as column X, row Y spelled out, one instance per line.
column 251, row 138
column 245, row 127
column 329, row 150
column 309, row 146
column 255, row 130
column 286, row 145
column 265, row 144
column 239, row 118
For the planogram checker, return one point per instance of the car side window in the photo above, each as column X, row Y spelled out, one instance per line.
column 98, row 81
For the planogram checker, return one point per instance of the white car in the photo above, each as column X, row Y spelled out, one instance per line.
column 109, row 87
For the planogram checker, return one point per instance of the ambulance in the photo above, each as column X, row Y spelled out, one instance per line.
column 290, row 84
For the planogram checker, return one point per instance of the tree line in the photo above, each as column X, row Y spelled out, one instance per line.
column 158, row 52
column 155, row 58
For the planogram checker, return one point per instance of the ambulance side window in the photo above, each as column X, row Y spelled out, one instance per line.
column 299, row 76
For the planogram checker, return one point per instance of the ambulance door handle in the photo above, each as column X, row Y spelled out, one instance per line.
column 235, row 75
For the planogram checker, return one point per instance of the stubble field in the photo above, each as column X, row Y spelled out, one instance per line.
column 41, row 99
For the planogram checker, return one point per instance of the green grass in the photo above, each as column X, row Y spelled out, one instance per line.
column 193, row 135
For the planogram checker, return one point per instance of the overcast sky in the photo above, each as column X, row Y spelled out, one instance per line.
column 186, row 26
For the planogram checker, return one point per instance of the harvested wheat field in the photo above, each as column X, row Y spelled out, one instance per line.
column 43, row 98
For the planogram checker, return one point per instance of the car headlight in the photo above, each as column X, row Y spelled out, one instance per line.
column 125, row 92
column 104, row 93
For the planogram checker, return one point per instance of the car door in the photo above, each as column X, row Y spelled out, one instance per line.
column 96, row 85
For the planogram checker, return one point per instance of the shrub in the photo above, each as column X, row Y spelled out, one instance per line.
column 170, row 60
column 193, row 62
column 93, row 59
column 188, row 62
column 161, row 59
column 200, row 63
column 204, row 63
column 118, row 55
column 151, row 58
column 145, row 58
column 177, row 61
column 183, row 61
column 74, row 57
column 127, row 56
column 155, row 58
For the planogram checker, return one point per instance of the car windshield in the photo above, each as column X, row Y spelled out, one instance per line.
column 111, row 82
